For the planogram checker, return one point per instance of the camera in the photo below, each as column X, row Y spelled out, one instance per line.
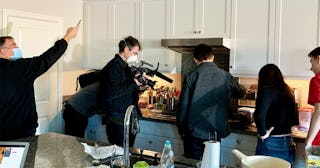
column 140, row 70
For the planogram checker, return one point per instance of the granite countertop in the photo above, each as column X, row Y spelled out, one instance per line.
column 52, row 150
column 235, row 126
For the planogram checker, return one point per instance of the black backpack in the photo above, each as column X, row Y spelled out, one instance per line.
column 88, row 78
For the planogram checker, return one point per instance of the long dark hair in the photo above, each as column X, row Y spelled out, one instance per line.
column 270, row 75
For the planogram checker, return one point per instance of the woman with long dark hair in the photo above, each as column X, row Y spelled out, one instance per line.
column 275, row 114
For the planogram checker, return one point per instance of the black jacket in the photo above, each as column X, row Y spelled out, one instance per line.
column 18, row 113
column 204, row 101
column 117, row 90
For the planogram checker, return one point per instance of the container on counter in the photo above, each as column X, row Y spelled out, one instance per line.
column 305, row 115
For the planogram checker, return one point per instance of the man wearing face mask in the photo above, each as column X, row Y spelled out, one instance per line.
column 119, row 89
column 18, row 115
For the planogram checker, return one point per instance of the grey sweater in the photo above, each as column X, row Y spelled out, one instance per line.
column 204, row 101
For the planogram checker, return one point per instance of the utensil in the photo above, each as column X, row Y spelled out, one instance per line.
column 258, row 161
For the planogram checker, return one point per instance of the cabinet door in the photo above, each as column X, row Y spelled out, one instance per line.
column 214, row 18
column 153, row 29
column 105, row 24
column 199, row 18
column 250, row 33
column 183, row 18
column 297, row 33
column 146, row 141
column 97, row 40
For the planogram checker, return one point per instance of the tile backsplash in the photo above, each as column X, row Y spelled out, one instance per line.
column 301, row 86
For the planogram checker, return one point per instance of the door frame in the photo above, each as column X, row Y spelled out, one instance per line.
column 56, row 120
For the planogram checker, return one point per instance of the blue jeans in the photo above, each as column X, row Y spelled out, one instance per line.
column 280, row 147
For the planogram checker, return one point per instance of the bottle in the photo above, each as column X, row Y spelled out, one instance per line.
column 166, row 160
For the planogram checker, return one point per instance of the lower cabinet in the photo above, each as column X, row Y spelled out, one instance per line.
column 153, row 135
column 244, row 143
column 95, row 130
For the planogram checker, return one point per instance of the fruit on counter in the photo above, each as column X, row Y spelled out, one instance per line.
column 141, row 164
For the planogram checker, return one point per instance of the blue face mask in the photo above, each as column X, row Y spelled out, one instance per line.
column 17, row 54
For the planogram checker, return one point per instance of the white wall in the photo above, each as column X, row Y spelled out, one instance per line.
column 69, row 10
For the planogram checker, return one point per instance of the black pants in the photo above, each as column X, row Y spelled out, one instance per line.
column 115, row 134
column 75, row 123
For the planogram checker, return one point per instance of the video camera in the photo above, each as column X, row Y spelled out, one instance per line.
column 138, row 72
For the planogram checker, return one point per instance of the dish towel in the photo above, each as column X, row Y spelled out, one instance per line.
column 103, row 151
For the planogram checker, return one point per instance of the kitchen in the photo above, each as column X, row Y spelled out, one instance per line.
column 261, row 32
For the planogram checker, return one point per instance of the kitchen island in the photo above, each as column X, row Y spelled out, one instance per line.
column 53, row 150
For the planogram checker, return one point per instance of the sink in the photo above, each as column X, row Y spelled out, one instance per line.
column 134, row 158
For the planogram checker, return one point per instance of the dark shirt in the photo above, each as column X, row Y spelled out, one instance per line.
column 18, row 113
column 204, row 101
column 117, row 90
column 274, row 109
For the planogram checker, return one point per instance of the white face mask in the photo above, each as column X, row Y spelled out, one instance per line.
column 132, row 59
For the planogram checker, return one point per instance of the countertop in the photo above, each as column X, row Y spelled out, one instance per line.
column 235, row 126
column 53, row 150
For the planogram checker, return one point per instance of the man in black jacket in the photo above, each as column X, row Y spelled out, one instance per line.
column 18, row 115
column 204, row 101
column 119, row 89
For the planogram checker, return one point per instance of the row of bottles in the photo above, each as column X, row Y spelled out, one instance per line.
column 162, row 98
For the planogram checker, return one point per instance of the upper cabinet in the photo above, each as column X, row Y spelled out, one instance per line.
column 105, row 24
column 199, row 18
column 296, row 34
column 272, row 31
column 250, row 37
column 153, row 29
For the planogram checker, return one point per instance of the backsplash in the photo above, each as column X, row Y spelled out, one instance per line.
column 301, row 86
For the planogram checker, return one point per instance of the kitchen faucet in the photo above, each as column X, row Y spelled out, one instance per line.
column 134, row 130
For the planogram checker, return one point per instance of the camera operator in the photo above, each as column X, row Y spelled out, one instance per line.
column 118, row 89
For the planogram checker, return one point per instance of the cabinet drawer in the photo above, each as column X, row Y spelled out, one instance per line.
column 240, row 141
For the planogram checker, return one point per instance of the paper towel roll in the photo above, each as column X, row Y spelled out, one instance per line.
column 211, row 155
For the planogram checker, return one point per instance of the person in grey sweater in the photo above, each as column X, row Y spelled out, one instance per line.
column 204, row 101
column 78, row 108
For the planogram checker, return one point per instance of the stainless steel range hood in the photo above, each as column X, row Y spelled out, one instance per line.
column 187, row 45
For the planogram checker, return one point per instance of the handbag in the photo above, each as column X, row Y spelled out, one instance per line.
column 88, row 78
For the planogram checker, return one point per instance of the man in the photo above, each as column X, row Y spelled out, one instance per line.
column 119, row 89
column 18, row 115
column 78, row 108
column 204, row 101
column 313, row 137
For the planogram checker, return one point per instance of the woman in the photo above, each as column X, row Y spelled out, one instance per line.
column 275, row 114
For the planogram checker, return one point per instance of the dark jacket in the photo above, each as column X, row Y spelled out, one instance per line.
column 204, row 101
column 274, row 109
column 117, row 90
column 18, row 113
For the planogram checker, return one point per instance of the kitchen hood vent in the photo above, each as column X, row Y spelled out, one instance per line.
column 187, row 45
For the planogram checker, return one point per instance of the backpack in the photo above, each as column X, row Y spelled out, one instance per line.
column 88, row 78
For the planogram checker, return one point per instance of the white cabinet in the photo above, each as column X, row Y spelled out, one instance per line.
column 153, row 135
column 199, row 18
column 153, row 29
column 105, row 24
column 297, row 33
column 250, row 34
column 244, row 143
column 271, row 31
